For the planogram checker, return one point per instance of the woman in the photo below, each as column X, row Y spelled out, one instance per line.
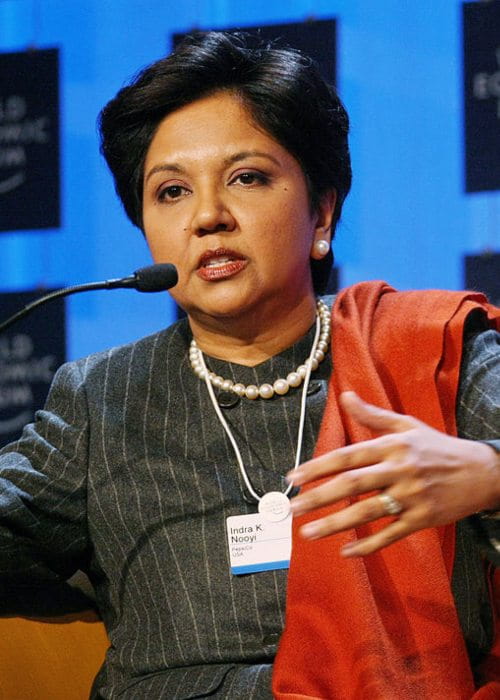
column 147, row 471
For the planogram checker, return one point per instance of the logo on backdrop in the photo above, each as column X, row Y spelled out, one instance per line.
column 486, row 86
column 29, row 140
column 20, row 368
column 481, row 32
column 30, row 353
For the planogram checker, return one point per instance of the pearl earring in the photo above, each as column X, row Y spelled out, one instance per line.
column 321, row 247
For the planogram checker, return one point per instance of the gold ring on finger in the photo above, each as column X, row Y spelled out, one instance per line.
column 390, row 504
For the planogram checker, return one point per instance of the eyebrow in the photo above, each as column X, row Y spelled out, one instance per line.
column 242, row 155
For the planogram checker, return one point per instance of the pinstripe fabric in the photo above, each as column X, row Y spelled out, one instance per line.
column 142, row 478
column 134, row 479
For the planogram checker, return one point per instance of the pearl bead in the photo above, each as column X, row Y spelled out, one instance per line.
column 239, row 389
column 321, row 248
column 218, row 381
column 294, row 379
column 251, row 391
column 266, row 391
column 302, row 371
column 227, row 385
column 281, row 387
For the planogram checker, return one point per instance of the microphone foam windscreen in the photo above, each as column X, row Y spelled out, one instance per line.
column 155, row 278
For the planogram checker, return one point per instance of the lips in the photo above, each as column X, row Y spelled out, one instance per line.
column 219, row 264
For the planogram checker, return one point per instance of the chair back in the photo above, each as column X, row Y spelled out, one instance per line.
column 50, row 658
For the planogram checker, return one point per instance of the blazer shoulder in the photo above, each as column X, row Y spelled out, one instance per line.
column 116, row 359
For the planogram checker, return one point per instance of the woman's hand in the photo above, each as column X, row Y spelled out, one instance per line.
column 436, row 479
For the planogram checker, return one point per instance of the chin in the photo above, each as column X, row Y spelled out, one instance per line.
column 222, row 305
column 225, row 309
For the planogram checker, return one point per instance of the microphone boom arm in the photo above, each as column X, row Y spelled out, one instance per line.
column 54, row 295
column 154, row 278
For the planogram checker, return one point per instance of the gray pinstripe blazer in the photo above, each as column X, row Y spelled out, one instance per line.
column 128, row 475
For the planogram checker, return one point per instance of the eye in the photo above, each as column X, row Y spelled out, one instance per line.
column 250, row 177
column 171, row 192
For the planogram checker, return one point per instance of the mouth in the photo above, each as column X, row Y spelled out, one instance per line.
column 219, row 264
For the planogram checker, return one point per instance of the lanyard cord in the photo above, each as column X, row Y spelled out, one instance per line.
column 300, row 433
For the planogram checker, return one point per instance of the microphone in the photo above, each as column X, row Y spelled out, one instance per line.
column 153, row 278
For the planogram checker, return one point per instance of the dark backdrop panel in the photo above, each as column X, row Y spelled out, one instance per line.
column 332, row 286
column 29, row 140
column 30, row 352
column 481, row 30
column 482, row 274
column 315, row 38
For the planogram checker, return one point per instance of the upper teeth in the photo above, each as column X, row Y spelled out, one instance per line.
column 217, row 261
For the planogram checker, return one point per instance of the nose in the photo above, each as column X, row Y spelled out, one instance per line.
column 211, row 214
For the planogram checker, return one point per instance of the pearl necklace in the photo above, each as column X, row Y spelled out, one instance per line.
column 280, row 386
column 273, row 505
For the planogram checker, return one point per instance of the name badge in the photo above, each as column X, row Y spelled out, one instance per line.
column 258, row 544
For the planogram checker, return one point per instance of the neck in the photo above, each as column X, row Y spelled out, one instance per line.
column 252, row 339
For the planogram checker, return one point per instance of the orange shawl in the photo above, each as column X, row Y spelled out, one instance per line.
column 383, row 627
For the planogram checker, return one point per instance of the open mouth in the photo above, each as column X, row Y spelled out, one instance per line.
column 221, row 263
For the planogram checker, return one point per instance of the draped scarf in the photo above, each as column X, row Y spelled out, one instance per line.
column 385, row 626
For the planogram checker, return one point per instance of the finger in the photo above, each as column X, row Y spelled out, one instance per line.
column 349, row 483
column 360, row 454
column 360, row 513
column 368, row 545
column 378, row 419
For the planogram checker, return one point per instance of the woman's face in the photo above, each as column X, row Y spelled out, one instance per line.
column 229, row 206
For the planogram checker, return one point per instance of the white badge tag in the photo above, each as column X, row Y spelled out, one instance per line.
column 258, row 544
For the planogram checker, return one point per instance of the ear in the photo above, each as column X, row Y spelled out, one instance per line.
column 324, row 218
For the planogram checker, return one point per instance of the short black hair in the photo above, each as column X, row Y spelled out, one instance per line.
column 282, row 89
